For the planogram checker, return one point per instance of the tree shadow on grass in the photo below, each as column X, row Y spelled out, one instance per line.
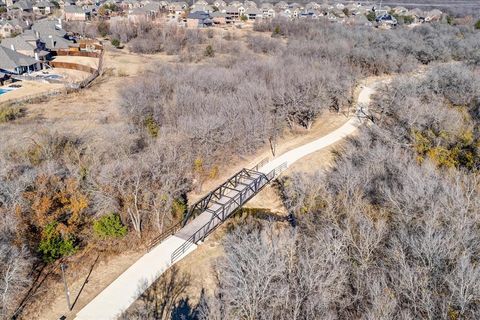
column 164, row 299
column 185, row 310
column 86, row 281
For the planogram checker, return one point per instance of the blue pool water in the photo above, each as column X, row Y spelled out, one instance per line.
column 2, row 91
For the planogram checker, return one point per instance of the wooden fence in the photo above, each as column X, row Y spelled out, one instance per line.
column 73, row 66
column 89, row 54
column 95, row 74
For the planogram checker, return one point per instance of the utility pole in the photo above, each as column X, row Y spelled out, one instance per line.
column 67, row 292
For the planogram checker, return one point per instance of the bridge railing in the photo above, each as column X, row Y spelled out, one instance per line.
column 260, row 164
column 165, row 234
column 222, row 213
column 202, row 204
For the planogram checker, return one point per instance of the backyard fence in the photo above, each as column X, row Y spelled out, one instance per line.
column 88, row 54
column 72, row 66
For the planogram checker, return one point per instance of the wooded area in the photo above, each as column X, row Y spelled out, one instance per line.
column 391, row 232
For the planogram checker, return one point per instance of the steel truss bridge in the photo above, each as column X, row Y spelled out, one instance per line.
column 209, row 212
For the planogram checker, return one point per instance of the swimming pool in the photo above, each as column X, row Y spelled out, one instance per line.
column 2, row 91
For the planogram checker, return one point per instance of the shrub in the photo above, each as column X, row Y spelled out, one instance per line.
column 178, row 208
column 371, row 16
column 54, row 245
column 408, row 19
column 10, row 114
column 152, row 126
column 277, row 31
column 103, row 28
column 477, row 25
column 115, row 42
column 209, row 51
column 109, row 226
column 244, row 18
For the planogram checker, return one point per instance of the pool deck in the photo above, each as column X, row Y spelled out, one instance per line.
column 28, row 89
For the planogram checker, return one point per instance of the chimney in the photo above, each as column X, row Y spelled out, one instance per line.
column 12, row 47
column 36, row 56
column 60, row 23
column 53, row 42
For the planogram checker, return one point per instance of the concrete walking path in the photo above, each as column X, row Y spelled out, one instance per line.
column 121, row 293
column 347, row 129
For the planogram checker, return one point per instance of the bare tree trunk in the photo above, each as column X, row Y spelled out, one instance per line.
column 273, row 145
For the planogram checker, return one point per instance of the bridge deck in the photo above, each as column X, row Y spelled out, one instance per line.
column 196, row 224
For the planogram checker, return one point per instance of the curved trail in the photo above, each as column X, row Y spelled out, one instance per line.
column 122, row 292
column 347, row 129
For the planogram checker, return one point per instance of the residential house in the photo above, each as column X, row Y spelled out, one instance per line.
column 21, row 45
column 241, row 10
column 286, row 13
column 74, row 13
column 309, row 14
column 231, row 14
column 253, row 13
column 433, row 15
column 43, row 8
column 90, row 11
column 50, row 32
column 33, row 38
column 201, row 7
column 163, row 4
column 219, row 18
column 353, row 8
column 268, row 10
column 176, row 10
column 199, row 19
column 401, row 11
column 12, row 62
column 200, row 3
column 147, row 12
column 293, row 11
column 219, row 3
column 312, row 6
column 174, row 6
column 10, row 28
column 24, row 6
column 281, row 5
column 235, row 4
column 418, row 14
column 130, row 4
